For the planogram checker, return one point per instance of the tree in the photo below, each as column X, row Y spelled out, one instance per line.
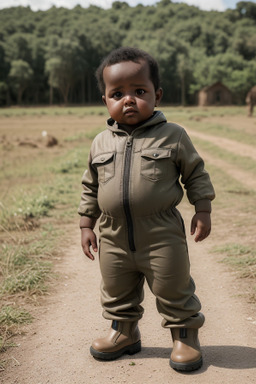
column 21, row 75
column 64, row 65
column 184, row 71
column 17, row 47
column 244, row 40
column 240, row 81
column 64, row 47
column 247, row 9
column 3, row 93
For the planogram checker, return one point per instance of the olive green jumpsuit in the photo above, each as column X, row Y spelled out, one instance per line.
column 133, row 184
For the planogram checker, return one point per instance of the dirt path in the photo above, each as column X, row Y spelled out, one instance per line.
column 55, row 348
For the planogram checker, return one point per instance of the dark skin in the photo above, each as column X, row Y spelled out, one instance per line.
column 130, row 98
column 88, row 236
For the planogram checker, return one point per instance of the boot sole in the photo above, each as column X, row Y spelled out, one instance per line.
column 129, row 349
column 186, row 367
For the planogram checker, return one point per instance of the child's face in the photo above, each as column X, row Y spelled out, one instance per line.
column 130, row 95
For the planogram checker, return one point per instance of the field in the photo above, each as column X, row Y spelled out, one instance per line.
column 40, row 192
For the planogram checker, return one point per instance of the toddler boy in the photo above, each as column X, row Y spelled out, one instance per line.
column 132, row 184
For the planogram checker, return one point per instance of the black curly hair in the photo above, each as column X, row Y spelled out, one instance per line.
column 128, row 54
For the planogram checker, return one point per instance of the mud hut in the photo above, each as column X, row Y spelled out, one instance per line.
column 215, row 94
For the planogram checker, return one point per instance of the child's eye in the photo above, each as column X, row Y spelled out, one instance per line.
column 140, row 92
column 117, row 95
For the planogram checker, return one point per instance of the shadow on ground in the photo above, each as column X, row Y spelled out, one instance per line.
column 224, row 356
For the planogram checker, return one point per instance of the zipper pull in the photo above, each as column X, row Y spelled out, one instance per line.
column 129, row 141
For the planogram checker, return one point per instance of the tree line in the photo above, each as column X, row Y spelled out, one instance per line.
column 51, row 56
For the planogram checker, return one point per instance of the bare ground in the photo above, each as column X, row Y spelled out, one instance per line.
column 55, row 348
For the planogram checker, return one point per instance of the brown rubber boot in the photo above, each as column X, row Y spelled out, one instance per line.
column 123, row 337
column 186, row 354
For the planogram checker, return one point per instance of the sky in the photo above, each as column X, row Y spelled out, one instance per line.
column 207, row 5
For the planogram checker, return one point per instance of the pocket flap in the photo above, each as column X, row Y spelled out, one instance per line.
column 156, row 153
column 103, row 158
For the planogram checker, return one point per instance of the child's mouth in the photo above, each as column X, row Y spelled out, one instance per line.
column 130, row 112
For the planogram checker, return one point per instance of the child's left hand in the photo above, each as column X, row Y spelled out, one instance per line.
column 201, row 225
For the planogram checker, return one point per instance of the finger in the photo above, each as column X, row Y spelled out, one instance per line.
column 207, row 234
column 201, row 235
column 87, row 252
column 91, row 257
column 95, row 249
column 94, row 245
column 192, row 228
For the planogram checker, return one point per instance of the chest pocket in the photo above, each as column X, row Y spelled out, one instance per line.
column 155, row 163
column 105, row 164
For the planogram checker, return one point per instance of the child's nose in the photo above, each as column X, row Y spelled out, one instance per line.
column 129, row 99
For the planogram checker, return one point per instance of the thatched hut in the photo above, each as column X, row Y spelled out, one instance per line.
column 215, row 94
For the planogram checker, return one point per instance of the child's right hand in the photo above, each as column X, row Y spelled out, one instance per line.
column 88, row 239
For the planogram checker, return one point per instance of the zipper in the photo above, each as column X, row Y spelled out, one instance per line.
column 126, row 184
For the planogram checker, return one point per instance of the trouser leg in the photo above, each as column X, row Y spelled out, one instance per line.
column 167, row 270
column 121, row 286
column 162, row 256
column 168, row 275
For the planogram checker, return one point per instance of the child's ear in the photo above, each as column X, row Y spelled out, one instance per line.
column 159, row 95
column 104, row 99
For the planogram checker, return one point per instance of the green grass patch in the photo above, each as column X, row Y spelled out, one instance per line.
column 11, row 318
column 26, row 209
column 29, row 280
column 74, row 138
column 26, row 264
column 23, row 209
column 172, row 113
column 53, row 111
column 88, row 134
column 195, row 118
column 203, row 111
column 230, row 191
column 91, row 134
column 221, row 130
column 240, row 257
column 73, row 162
column 10, row 315
column 243, row 162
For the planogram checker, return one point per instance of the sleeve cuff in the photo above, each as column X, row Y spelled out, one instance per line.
column 203, row 205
